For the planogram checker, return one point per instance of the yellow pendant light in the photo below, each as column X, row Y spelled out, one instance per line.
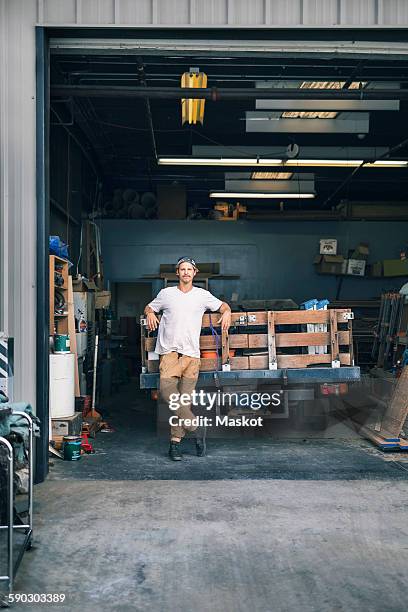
column 192, row 109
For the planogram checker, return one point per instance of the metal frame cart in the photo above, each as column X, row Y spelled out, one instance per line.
column 26, row 526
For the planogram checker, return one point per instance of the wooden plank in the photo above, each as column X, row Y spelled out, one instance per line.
column 150, row 342
column 297, row 339
column 334, row 336
column 236, row 363
column 272, row 364
column 397, row 411
column 282, row 317
column 261, row 340
column 375, row 437
column 206, row 365
column 257, row 318
column 215, row 316
column 206, row 342
column 235, row 341
column 152, row 366
column 260, row 362
column 72, row 334
column 295, row 317
column 257, row 340
column 384, row 443
column 302, row 361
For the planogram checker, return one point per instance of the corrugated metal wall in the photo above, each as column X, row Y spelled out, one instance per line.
column 18, row 188
column 225, row 13
column 17, row 113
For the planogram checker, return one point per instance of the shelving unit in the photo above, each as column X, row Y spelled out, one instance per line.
column 58, row 322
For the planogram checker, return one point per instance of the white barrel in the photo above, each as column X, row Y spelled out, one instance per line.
column 62, row 385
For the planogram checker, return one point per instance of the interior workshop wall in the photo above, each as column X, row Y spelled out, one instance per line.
column 72, row 189
column 274, row 259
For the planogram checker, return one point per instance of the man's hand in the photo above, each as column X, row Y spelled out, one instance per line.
column 225, row 320
column 152, row 321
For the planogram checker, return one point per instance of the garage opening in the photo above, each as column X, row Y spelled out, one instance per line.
column 287, row 186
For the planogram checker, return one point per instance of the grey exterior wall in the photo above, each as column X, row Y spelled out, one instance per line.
column 18, row 188
column 225, row 13
column 17, row 112
column 275, row 260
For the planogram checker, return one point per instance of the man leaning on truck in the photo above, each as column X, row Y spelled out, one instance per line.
column 178, row 344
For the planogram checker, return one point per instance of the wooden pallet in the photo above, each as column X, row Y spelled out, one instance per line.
column 269, row 340
column 388, row 436
column 385, row 441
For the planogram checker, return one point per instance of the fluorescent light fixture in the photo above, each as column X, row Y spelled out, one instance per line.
column 386, row 163
column 324, row 162
column 265, row 196
column 344, row 123
column 259, row 162
column 272, row 176
column 332, row 84
column 353, row 163
column 217, row 161
column 309, row 114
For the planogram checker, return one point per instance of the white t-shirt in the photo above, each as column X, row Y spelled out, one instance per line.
column 182, row 314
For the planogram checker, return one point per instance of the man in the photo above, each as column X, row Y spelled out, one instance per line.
column 178, row 344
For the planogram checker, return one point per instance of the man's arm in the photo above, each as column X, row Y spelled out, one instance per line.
column 225, row 320
column 151, row 319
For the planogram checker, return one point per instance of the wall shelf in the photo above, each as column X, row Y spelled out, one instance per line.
column 58, row 321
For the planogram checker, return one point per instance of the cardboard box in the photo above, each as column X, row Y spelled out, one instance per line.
column 102, row 299
column 67, row 426
column 171, row 202
column 329, row 264
column 328, row 246
column 356, row 267
column 376, row 269
column 360, row 252
column 395, row 267
column 83, row 284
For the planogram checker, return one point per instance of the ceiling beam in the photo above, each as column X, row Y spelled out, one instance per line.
column 231, row 93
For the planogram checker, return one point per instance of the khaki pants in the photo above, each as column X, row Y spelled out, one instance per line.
column 178, row 374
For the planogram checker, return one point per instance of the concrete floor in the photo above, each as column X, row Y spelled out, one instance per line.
column 316, row 526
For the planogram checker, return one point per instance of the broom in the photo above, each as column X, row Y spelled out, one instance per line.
column 94, row 413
